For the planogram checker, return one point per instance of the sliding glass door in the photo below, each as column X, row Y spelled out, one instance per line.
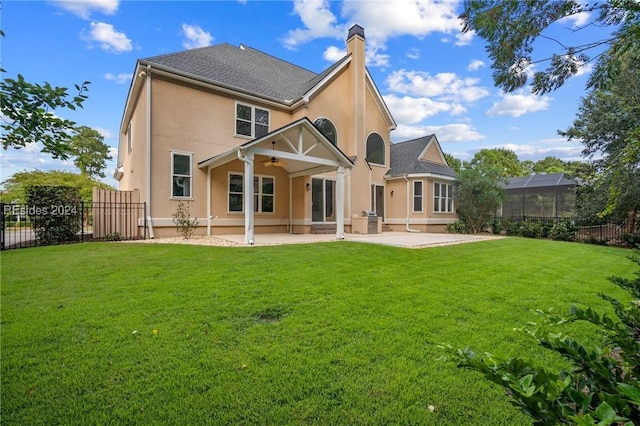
column 323, row 200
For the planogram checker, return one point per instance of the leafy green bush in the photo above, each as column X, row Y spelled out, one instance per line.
column 603, row 385
column 564, row 230
column 55, row 213
column 185, row 226
column 496, row 226
column 113, row 236
column 457, row 227
column 530, row 229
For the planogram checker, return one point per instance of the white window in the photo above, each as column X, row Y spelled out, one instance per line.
column 263, row 193
column 417, row 196
column 442, row 198
column 180, row 175
column 251, row 121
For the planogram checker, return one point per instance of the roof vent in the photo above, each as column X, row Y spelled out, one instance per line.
column 242, row 47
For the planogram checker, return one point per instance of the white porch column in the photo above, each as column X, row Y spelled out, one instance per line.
column 248, row 199
column 340, row 203
column 208, row 201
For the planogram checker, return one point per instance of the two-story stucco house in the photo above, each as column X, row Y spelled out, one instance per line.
column 256, row 145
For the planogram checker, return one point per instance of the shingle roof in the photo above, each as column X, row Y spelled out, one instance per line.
column 539, row 181
column 405, row 159
column 244, row 69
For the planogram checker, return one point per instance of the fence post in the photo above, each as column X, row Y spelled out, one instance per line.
column 82, row 221
column 2, row 227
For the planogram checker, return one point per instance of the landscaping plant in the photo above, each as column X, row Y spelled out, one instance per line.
column 185, row 225
column 602, row 385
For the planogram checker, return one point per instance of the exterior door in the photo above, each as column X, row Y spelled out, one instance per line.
column 323, row 200
column 377, row 200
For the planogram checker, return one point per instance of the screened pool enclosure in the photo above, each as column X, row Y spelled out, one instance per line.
column 547, row 195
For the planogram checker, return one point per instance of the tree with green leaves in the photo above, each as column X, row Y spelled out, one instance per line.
column 480, row 190
column 16, row 186
column 30, row 114
column 90, row 152
column 511, row 29
column 608, row 125
column 453, row 162
column 502, row 160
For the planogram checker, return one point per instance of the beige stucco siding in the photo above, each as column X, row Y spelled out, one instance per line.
column 134, row 160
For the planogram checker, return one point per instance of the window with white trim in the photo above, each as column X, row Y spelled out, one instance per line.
column 180, row 175
column 251, row 121
column 263, row 193
column 442, row 198
column 417, row 196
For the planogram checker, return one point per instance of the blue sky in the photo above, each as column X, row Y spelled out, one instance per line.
column 434, row 78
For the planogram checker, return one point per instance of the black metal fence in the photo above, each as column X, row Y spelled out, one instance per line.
column 25, row 225
column 611, row 232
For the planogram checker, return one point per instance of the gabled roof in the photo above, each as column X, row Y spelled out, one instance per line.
column 539, row 181
column 243, row 69
column 406, row 159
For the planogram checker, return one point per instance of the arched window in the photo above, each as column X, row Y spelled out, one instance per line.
column 328, row 129
column 375, row 149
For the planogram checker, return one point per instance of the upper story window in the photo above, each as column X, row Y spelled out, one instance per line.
column 180, row 175
column 375, row 149
column 442, row 198
column 251, row 121
column 328, row 129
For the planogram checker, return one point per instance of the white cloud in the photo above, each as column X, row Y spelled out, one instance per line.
column 519, row 103
column 577, row 20
column 334, row 54
column 463, row 39
column 445, row 86
column 194, row 37
column 475, row 65
column 566, row 151
column 458, row 132
column 120, row 78
column 318, row 20
column 84, row 8
column 105, row 133
column 409, row 110
column 108, row 38
column 413, row 54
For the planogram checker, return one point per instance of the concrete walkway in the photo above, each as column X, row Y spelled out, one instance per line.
column 397, row 239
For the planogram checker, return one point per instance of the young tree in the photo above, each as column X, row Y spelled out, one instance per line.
column 90, row 152
column 480, row 192
column 512, row 27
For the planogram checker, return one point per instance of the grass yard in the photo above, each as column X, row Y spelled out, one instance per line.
column 332, row 333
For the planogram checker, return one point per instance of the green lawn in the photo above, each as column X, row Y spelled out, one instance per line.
column 332, row 333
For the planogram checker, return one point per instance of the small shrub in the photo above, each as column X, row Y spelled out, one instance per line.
column 512, row 227
column 496, row 226
column 112, row 236
column 457, row 227
column 530, row 229
column 564, row 230
column 185, row 226
column 55, row 213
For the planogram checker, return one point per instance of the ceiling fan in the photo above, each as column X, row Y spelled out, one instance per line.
column 273, row 161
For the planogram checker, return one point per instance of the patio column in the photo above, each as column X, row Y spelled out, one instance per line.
column 248, row 198
column 340, row 203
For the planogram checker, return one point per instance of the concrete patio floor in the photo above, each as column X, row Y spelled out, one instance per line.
column 397, row 239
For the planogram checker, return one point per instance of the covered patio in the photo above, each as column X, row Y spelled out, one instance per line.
column 298, row 148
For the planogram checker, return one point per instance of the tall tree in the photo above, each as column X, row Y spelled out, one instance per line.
column 502, row 160
column 28, row 114
column 608, row 125
column 453, row 162
column 512, row 27
column 90, row 152
column 549, row 165
column 480, row 190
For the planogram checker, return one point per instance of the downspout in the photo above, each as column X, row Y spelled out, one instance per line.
column 148, row 136
column 409, row 206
